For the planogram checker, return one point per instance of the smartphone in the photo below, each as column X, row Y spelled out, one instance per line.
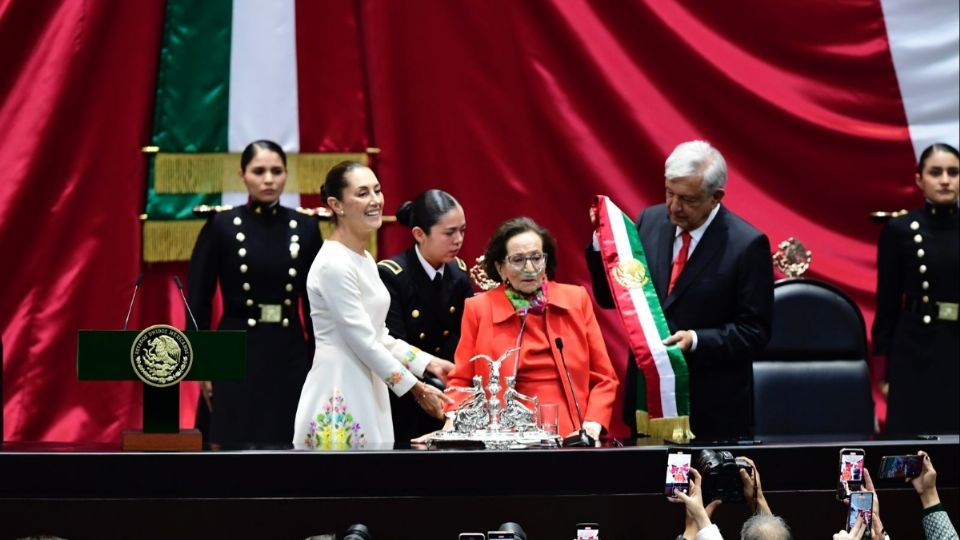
column 501, row 535
column 678, row 474
column 909, row 466
column 851, row 472
column 861, row 504
column 472, row 536
column 588, row 531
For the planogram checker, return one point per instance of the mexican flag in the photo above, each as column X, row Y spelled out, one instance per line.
column 663, row 385
column 229, row 74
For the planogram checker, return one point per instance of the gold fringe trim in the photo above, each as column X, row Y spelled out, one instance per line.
column 197, row 172
column 166, row 241
column 169, row 241
column 674, row 428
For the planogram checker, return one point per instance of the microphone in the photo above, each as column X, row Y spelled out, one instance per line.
column 581, row 438
column 176, row 280
column 136, row 287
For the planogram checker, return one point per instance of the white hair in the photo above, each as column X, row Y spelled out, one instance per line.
column 697, row 158
column 765, row 527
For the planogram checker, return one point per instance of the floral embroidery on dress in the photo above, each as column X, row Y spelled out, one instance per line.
column 409, row 357
column 334, row 428
column 394, row 378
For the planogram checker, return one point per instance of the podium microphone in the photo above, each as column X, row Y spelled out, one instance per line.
column 176, row 279
column 581, row 438
column 136, row 287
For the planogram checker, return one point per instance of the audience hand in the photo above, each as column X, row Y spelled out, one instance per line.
column 926, row 483
column 430, row 399
column 856, row 533
column 876, row 527
column 440, row 369
column 752, row 491
column 698, row 516
column 206, row 390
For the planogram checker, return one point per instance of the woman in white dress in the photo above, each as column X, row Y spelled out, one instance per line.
column 344, row 402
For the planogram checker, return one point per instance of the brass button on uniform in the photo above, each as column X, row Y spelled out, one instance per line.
column 927, row 319
column 249, row 302
column 446, row 333
column 287, row 302
column 415, row 314
column 422, row 336
column 926, row 299
column 453, row 309
column 436, row 349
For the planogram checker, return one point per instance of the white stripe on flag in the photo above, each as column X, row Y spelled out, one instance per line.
column 924, row 40
column 263, row 80
column 668, row 399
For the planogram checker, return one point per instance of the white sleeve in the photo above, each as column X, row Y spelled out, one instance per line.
column 338, row 284
column 412, row 357
column 709, row 533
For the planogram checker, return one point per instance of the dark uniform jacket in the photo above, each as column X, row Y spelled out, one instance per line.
column 918, row 285
column 725, row 295
column 260, row 257
column 426, row 315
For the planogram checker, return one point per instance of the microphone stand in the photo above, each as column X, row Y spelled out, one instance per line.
column 136, row 287
column 176, row 280
column 581, row 439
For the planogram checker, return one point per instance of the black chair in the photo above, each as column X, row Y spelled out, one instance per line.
column 812, row 378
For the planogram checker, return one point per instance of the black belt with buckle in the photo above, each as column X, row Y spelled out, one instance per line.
column 935, row 309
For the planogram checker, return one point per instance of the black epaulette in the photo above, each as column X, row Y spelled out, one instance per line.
column 461, row 265
column 391, row 265
column 207, row 211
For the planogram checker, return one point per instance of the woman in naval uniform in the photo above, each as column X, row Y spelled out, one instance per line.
column 259, row 254
column 916, row 328
column 428, row 284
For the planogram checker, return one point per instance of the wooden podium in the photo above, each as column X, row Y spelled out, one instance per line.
column 106, row 355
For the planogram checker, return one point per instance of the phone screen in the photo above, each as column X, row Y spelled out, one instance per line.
column 472, row 536
column 678, row 474
column 588, row 531
column 851, row 470
column 900, row 466
column 861, row 504
column 500, row 535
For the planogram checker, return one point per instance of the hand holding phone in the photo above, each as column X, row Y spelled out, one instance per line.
column 851, row 472
column 909, row 466
column 861, row 506
column 678, row 474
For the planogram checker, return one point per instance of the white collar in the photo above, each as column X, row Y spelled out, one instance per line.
column 697, row 233
column 431, row 271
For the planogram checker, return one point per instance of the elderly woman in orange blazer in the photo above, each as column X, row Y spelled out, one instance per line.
column 521, row 255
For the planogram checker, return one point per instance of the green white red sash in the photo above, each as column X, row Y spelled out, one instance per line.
column 663, row 389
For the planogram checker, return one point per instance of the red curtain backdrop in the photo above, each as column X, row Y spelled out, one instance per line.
column 514, row 107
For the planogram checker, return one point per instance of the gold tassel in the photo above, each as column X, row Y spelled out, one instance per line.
column 199, row 172
column 166, row 241
column 674, row 428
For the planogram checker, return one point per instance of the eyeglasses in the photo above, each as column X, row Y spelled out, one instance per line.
column 519, row 261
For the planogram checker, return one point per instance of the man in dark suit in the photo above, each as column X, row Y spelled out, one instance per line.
column 714, row 278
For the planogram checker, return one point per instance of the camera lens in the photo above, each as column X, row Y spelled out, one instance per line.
column 357, row 531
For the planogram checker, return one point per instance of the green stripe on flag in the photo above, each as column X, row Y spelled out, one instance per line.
column 192, row 94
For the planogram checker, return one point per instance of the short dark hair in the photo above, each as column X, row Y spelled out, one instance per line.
column 935, row 147
column 256, row 146
column 497, row 246
column 426, row 210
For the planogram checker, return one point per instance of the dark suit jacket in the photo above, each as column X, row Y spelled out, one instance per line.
column 425, row 316
column 725, row 295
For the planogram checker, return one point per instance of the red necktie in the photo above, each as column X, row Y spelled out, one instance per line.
column 680, row 261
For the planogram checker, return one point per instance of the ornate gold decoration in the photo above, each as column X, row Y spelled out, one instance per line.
column 480, row 277
column 161, row 355
column 882, row 216
column 630, row 274
column 792, row 258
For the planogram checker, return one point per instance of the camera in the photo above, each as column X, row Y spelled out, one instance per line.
column 357, row 531
column 720, row 473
